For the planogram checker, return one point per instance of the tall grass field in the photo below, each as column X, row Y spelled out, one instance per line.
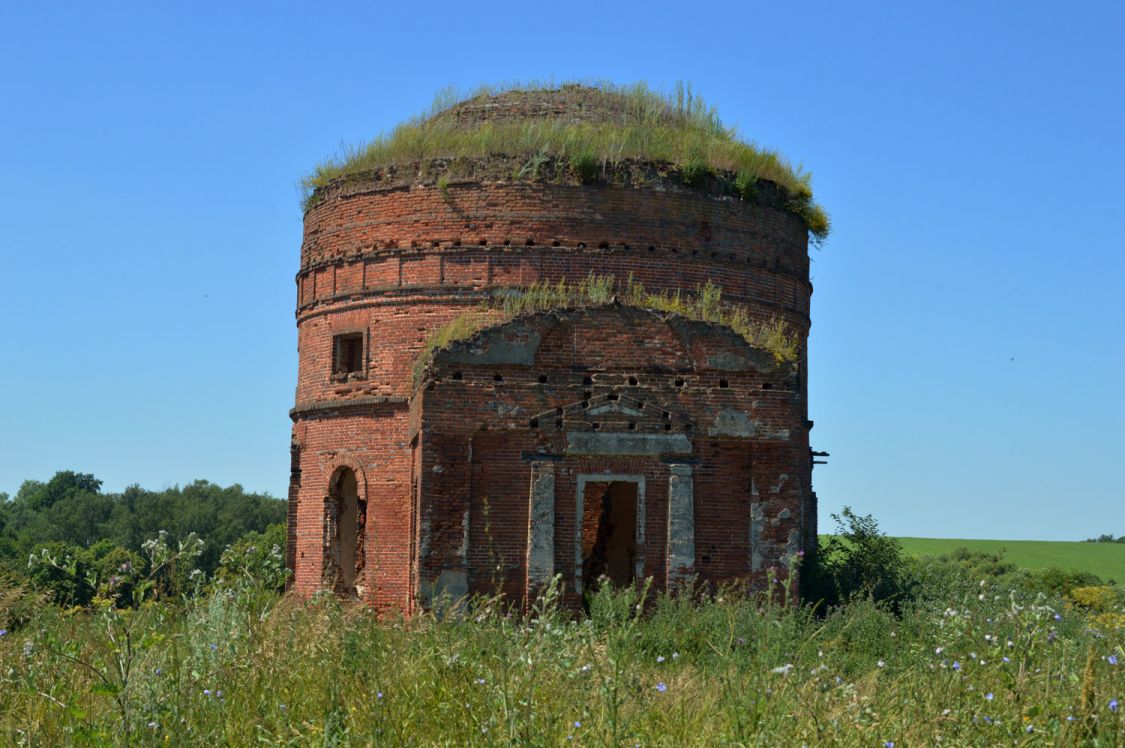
column 971, row 658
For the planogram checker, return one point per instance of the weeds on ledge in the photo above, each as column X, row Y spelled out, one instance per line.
column 679, row 129
column 705, row 304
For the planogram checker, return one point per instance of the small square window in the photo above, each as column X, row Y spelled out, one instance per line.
column 347, row 354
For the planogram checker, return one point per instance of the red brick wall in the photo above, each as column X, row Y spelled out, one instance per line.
column 395, row 264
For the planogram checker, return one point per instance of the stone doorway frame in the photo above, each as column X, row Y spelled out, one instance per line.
column 639, row 536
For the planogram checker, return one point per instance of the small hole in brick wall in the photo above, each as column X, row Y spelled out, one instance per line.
column 587, row 394
column 558, row 411
column 603, row 245
column 667, row 427
column 674, row 250
column 587, row 380
column 633, row 381
column 498, row 377
column 595, row 426
column 694, row 252
column 767, row 386
column 625, row 247
column 555, row 243
column 457, row 376
column 724, row 383
column 652, row 249
column 611, row 397
column 714, row 255
column 582, row 245
column 529, row 242
column 483, row 242
column 641, row 404
column 632, row 426
column 558, row 423
column 542, row 379
column 432, row 386
column 534, row 423
column 666, row 415
column 507, row 242
column 679, row 383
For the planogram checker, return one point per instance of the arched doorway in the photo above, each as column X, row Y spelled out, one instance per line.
column 345, row 529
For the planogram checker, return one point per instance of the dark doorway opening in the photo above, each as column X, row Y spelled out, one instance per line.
column 347, row 521
column 609, row 533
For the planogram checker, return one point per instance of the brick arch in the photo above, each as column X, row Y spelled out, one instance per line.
column 344, row 460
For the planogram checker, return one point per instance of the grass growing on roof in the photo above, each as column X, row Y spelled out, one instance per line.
column 705, row 304
column 680, row 129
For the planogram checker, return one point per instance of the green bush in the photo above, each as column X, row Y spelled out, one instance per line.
column 858, row 561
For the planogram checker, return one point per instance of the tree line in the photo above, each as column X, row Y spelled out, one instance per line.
column 70, row 521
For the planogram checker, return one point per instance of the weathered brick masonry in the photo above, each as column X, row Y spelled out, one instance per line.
column 603, row 440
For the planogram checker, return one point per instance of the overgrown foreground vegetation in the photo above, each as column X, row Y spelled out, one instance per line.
column 678, row 129
column 703, row 304
column 964, row 651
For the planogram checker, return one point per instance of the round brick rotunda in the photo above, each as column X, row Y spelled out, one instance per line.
column 551, row 334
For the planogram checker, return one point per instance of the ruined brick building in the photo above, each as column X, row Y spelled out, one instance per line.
column 442, row 446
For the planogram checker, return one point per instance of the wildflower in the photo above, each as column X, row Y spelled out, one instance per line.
column 1112, row 659
column 988, row 696
column 939, row 650
column 159, row 671
column 379, row 695
column 1070, row 718
column 988, row 720
column 1058, row 617
column 661, row 687
column 152, row 725
column 783, row 669
column 219, row 694
column 206, row 691
column 577, row 724
column 3, row 632
column 880, row 663
column 659, row 659
column 283, row 707
column 1011, row 644
column 956, row 665
column 888, row 744
column 479, row 681
column 585, row 668
column 740, row 642
column 1029, row 728
column 1113, row 705
column 1005, row 659
column 676, row 656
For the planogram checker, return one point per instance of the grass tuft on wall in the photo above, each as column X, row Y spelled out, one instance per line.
column 678, row 129
column 705, row 304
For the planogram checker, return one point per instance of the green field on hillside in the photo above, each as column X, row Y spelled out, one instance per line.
column 1107, row 560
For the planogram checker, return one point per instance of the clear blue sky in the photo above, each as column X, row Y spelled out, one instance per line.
column 967, row 355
